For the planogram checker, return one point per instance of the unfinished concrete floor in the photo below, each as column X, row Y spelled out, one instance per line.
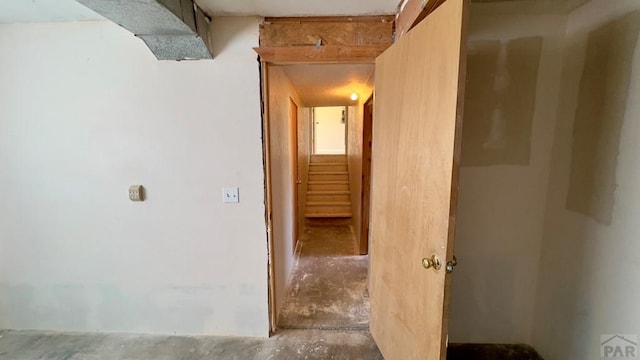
column 287, row 345
column 290, row 344
column 328, row 287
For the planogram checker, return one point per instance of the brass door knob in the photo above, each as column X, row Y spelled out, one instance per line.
column 451, row 264
column 432, row 263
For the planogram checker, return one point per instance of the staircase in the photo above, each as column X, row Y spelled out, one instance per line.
column 328, row 194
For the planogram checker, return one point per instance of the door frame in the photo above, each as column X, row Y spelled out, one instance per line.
column 365, row 195
column 314, row 130
column 268, row 181
column 297, row 56
column 293, row 130
column 268, row 209
column 266, row 138
column 289, row 55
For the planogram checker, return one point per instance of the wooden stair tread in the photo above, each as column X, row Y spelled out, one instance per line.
column 329, row 156
column 328, row 192
column 328, row 182
column 337, row 215
column 328, row 204
column 328, row 195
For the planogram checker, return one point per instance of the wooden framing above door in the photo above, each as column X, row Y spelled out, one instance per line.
column 358, row 39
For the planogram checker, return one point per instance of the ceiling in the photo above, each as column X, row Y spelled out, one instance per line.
column 525, row 6
column 33, row 11
column 331, row 84
column 25, row 11
column 28, row 11
column 299, row 7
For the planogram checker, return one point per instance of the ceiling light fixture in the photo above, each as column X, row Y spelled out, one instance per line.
column 354, row 96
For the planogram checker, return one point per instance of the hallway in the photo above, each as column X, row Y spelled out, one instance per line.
column 328, row 288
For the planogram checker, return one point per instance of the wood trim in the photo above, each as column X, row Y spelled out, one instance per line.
column 293, row 118
column 266, row 158
column 333, row 34
column 365, row 196
column 313, row 133
column 323, row 54
column 412, row 13
column 326, row 31
column 455, row 172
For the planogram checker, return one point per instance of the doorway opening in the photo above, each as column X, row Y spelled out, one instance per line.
column 315, row 158
column 329, row 130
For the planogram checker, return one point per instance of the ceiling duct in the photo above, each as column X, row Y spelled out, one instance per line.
column 172, row 29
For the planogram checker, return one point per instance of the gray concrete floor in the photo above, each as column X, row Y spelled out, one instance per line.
column 290, row 344
column 287, row 345
column 328, row 287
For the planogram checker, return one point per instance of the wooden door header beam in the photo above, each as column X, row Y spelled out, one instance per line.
column 354, row 39
column 354, row 31
column 321, row 54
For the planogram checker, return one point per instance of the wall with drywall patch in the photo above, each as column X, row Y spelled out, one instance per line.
column 589, row 266
column 513, row 76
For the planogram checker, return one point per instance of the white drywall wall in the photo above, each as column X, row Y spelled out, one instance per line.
column 86, row 111
column 48, row 11
column 589, row 270
column 501, row 207
column 329, row 130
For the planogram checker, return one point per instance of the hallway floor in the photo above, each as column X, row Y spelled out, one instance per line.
column 328, row 287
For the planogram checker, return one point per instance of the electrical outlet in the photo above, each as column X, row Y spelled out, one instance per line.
column 230, row 195
column 136, row 193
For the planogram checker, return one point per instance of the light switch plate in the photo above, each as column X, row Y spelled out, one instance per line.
column 136, row 193
column 230, row 195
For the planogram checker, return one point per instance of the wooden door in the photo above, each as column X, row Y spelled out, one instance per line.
column 416, row 151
